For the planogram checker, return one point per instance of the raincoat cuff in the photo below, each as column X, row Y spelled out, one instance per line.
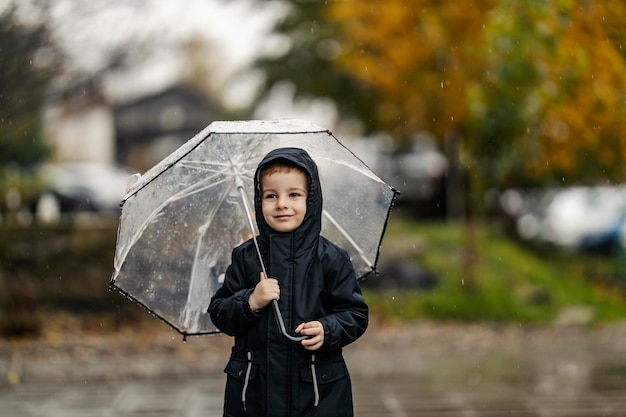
column 246, row 306
column 328, row 335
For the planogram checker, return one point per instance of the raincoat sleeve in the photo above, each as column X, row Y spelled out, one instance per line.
column 348, row 316
column 229, row 308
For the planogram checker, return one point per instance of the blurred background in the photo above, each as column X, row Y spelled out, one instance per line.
column 500, row 121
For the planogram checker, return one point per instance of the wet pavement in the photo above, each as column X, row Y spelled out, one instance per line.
column 425, row 370
column 393, row 397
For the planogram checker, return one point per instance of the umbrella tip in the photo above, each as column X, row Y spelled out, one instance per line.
column 132, row 180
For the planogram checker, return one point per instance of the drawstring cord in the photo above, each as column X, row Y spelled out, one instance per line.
column 246, row 381
column 316, row 390
column 315, row 387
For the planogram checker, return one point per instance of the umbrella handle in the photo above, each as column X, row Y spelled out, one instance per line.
column 281, row 324
column 248, row 211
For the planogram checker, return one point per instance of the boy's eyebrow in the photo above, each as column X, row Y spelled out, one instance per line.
column 289, row 189
column 295, row 187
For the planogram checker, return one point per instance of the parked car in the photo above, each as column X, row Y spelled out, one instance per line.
column 85, row 187
column 575, row 218
column 417, row 171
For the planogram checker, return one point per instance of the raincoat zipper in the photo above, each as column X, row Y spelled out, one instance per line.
column 246, row 381
column 316, row 390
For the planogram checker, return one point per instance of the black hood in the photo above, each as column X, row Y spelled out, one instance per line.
column 307, row 234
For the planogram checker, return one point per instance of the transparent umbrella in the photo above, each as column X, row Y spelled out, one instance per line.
column 182, row 218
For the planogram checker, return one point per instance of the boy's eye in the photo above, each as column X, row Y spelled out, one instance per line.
column 295, row 195
column 269, row 196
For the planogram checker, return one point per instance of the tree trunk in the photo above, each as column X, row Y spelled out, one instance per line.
column 461, row 206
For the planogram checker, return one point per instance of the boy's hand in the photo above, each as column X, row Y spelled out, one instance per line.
column 265, row 291
column 315, row 331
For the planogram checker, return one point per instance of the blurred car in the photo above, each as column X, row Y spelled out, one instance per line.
column 420, row 173
column 417, row 170
column 85, row 187
column 576, row 218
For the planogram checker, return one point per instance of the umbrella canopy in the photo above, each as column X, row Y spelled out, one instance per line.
column 182, row 218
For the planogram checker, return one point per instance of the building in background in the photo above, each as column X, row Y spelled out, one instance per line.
column 97, row 145
column 151, row 127
column 79, row 124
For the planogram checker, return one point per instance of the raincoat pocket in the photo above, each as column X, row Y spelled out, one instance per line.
column 239, row 375
column 237, row 369
column 326, row 372
column 326, row 385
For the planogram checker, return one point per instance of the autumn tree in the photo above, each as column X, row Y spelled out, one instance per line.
column 533, row 89
column 309, row 64
column 526, row 93
column 552, row 92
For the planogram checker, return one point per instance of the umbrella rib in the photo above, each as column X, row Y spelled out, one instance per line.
column 196, row 188
column 203, row 166
column 216, row 169
column 352, row 242
column 156, row 213
column 203, row 228
column 277, row 314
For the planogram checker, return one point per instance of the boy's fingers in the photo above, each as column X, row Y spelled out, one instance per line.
column 262, row 276
column 303, row 328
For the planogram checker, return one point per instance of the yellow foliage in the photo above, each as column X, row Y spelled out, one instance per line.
column 584, row 125
column 433, row 63
column 417, row 54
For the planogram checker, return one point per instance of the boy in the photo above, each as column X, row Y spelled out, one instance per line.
column 317, row 292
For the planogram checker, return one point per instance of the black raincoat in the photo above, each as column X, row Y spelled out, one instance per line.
column 267, row 374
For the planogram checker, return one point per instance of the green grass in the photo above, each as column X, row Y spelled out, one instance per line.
column 511, row 282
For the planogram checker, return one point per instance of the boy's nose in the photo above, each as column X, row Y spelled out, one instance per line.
column 281, row 202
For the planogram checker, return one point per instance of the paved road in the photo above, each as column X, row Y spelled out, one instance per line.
column 381, row 397
column 430, row 372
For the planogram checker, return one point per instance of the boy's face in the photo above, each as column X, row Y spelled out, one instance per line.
column 284, row 199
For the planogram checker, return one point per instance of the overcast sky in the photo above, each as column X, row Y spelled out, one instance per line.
column 235, row 32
